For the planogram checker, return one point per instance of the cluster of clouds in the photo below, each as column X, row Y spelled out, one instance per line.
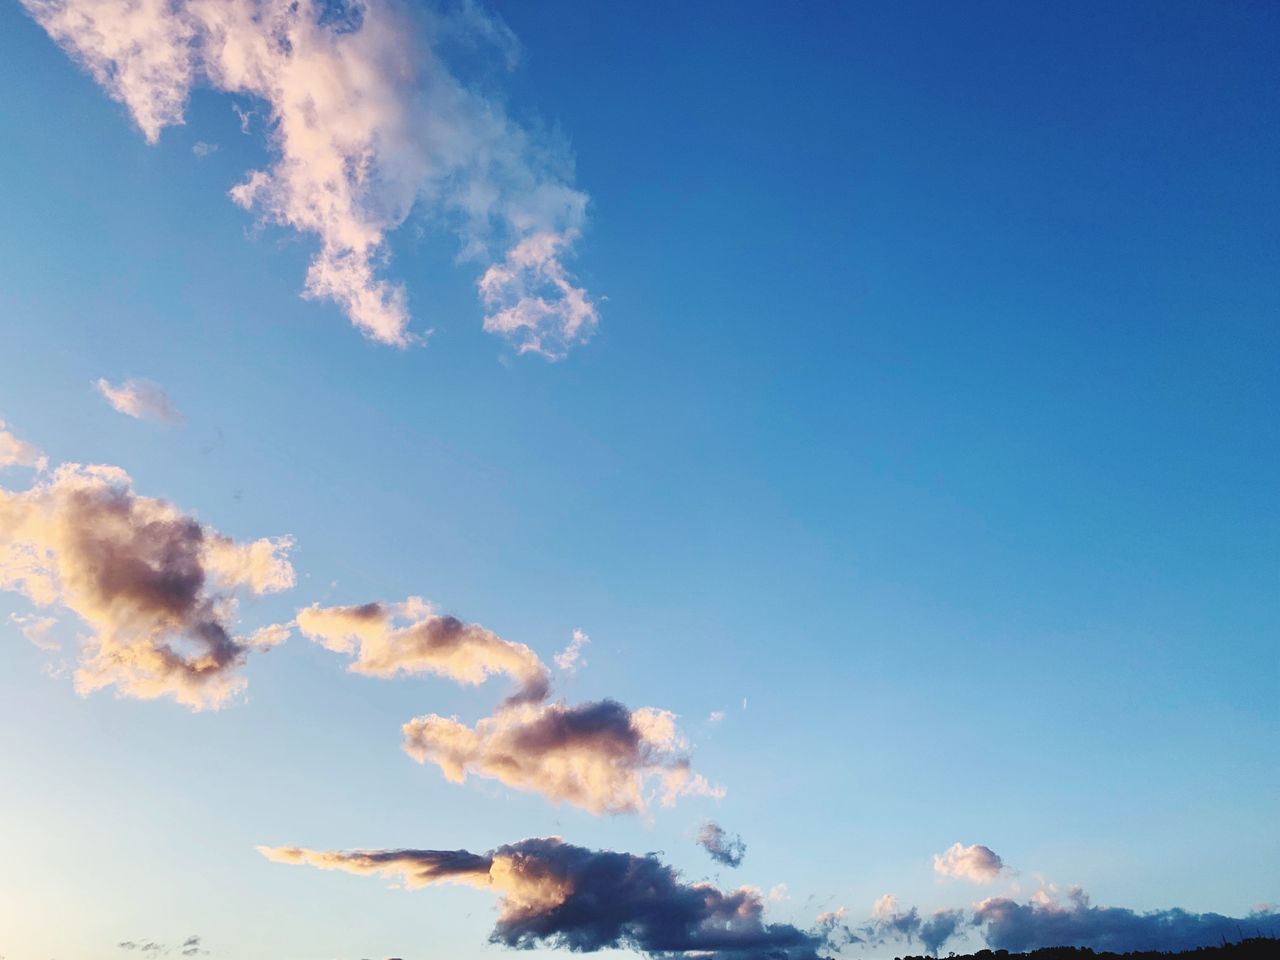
column 159, row 591
column 1042, row 921
column 366, row 123
column 555, row 894
column 150, row 948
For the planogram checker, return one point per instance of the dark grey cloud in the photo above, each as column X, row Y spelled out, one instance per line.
column 722, row 847
column 555, row 894
column 1008, row 925
column 939, row 928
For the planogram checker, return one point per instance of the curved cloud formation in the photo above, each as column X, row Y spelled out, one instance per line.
column 555, row 894
column 155, row 585
column 367, row 123
column 1008, row 925
column 975, row 863
column 720, row 845
column 410, row 638
column 19, row 453
column 599, row 756
column 140, row 399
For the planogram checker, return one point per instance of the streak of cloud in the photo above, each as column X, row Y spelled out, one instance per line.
column 157, row 587
column 411, row 638
column 140, row 399
column 366, row 124
column 599, row 756
column 554, row 894
column 570, row 660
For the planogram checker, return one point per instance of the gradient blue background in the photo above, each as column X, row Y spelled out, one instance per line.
column 933, row 412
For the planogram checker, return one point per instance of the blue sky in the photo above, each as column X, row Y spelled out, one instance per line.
column 927, row 433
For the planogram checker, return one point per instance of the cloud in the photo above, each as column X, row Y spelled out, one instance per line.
column 410, row 638
column 156, row 586
column 939, row 928
column 975, row 863
column 554, row 894
column 1016, row 927
column 141, row 399
column 202, row 149
column 19, row 453
column 36, row 629
column 569, row 660
column 366, row 124
column 189, row 947
column 599, row 756
column 721, row 846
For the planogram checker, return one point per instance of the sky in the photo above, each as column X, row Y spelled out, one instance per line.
column 787, row 481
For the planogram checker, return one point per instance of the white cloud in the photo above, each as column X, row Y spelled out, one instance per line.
column 366, row 123
column 569, row 660
column 140, row 399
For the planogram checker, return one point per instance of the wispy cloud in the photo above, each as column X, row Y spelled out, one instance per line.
column 599, row 756
column 570, row 659
column 140, row 399
column 411, row 638
column 19, row 453
column 554, row 894
column 975, row 863
column 36, row 629
column 367, row 124
column 156, row 586
column 721, row 846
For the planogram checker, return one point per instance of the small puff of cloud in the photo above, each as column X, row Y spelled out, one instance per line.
column 721, row 846
column 140, row 399
column 975, row 863
column 156, row 587
column 554, row 894
column 570, row 660
column 599, row 756
column 411, row 638
column 19, row 453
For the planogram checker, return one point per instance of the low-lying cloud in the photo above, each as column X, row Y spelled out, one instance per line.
column 412, row 638
column 975, row 863
column 554, row 894
column 366, row 123
column 721, row 846
column 156, row 587
column 140, row 399
column 599, row 756
column 1008, row 925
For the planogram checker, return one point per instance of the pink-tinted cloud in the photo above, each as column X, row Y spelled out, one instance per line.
column 366, row 124
column 140, row 399
column 19, row 453
column 599, row 756
column 411, row 638
column 975, row 863
column 156, row 587
column 554, row 894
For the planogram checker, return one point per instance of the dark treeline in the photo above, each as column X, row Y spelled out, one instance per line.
column 1254, row 948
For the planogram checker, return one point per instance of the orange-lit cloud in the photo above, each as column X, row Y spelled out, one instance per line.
column 554, row 894
column 410, row 637
column 156, row 587
column 599, row 756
